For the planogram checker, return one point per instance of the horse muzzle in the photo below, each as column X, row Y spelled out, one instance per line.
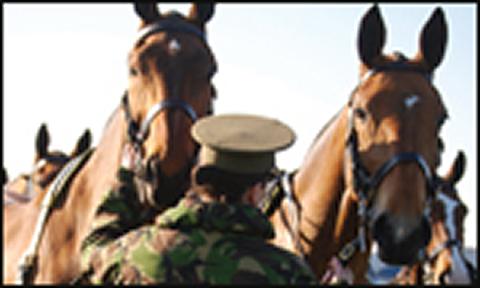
column 398, row 243
column 165, row 190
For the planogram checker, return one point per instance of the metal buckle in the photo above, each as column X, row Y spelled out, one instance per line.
column 347, row 252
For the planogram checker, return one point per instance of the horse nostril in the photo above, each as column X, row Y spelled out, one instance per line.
column 400, row 241
column 381, row 230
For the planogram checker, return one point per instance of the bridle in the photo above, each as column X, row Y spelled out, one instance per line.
column 451, row 243
column 366, row 183
column 31, row 182
column 428, row 273
column 138, row 131
column 137, row 134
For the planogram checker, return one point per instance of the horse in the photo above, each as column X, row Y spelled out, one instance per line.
column 46, row 166
column 169, row 87
column 367, row 176
column 24, row 194
column 444, row 262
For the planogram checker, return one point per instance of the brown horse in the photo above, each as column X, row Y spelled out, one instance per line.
column 171, row 66
column 367, row 177
column 444, row 261
column 46, row 166
column 24, row 194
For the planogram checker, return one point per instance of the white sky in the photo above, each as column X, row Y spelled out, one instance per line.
column 65, row 65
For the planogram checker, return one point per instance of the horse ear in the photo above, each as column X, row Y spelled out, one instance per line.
column 458, row 168
column 147, row 11
column 201, row 13
column 371, row 36
column 83, row 143
column 42, row 142
column 433, row 39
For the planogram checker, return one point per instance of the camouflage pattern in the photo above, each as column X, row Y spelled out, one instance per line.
column 120, row 211
column 197, row 242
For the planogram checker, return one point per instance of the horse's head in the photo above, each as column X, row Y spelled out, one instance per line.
column 395, row 116
column 445, row 250
column 170, row 71
column 47, row 164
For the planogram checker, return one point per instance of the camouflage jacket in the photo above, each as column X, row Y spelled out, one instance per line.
column 120, row 211
column 197, row 242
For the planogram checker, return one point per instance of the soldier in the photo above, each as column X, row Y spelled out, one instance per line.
column 215, row 234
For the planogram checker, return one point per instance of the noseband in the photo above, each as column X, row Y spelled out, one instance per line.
column 138, row 133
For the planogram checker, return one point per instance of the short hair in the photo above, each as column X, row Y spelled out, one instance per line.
column 218, row 182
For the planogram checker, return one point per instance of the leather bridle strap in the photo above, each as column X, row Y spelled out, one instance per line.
column 138, row 133
column 364, row 182
column 445, row 245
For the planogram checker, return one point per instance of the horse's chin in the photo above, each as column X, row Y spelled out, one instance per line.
column 400, row 248
column 167, row 190
column 396, row 256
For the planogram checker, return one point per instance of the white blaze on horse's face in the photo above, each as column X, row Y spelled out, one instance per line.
column 174, row 47
column 459, row 272
column 411, row 101
column 37, row 166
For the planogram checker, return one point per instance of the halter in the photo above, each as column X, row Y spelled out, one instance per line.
column 138, row 133
column 365, row 184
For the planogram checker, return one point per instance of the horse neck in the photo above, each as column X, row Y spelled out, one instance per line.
column 68, row 225
column 319, row 184
column 99, row 172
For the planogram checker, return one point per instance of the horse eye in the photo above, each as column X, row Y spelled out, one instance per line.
column 133, row 71
column 360, row 113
